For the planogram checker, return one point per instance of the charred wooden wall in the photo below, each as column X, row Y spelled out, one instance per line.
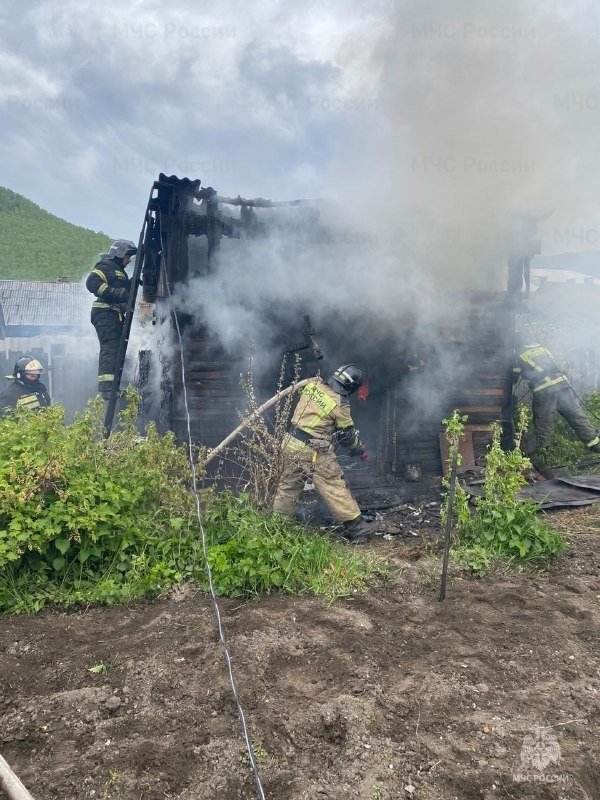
column 213, row 390
column 482, row 390
column 409, row 430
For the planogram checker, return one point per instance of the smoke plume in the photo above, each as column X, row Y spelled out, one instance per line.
column 476, row 116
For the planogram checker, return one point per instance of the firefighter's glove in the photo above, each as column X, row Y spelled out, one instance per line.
column 121, row 295
column 360, row 451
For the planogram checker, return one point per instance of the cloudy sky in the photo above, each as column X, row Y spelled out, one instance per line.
column 255, row 98
column 441, row 117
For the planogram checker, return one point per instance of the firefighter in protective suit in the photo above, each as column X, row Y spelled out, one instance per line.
column 551, row 393
column 111, row 285
column 26, row 391
column 322, row 417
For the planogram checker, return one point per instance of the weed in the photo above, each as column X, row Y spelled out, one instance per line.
column 429, row 576
column 503, row 526
column 252, row 551
column 258, row 455
column 260, row 754
column 98, row 669
column 476, row 558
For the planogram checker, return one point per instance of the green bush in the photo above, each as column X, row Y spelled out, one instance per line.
column 87, row 520
column 502, row 526
column 512, row 530
column 82, row 519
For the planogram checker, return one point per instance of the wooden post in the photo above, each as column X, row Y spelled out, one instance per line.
column 448, row 527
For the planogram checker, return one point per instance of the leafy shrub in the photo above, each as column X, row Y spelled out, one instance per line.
column 83, row 519
column 512, row 530
column 454, row 429
column 502, row 525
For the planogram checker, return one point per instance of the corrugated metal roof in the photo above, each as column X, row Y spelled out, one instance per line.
column 45, row 305
column 564, row 276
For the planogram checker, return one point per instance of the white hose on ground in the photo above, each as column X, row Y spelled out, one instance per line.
column 216, row 450
column 10, row 784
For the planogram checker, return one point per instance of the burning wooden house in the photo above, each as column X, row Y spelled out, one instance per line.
column 469, row 368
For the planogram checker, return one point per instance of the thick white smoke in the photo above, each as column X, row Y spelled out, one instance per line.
column 488, row 110
column 475, row 114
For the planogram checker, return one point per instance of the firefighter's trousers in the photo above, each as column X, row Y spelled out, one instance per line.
column 301, row 461
column 545, row 405
column 109, row 326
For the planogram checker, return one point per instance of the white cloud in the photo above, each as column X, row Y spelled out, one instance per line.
column 22, row 83
column 444, row 118
column 243, row 92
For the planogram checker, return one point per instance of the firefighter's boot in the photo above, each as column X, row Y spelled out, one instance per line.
column 357, row 530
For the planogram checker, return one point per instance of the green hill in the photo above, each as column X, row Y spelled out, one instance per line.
column 35, row 245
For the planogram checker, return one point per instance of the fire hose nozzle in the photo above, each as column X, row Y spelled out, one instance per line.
column 314, row 346
column 311, row 338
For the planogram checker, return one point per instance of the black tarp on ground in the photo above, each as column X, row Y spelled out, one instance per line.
column 575, row 490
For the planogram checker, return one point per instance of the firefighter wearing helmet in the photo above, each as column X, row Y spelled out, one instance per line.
column 321, row 418
column 111, row 285
column 25, row 391
column 551, row 394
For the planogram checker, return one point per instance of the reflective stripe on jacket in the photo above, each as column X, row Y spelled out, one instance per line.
column 30, row 397
column 105, row 281
column 537, row 367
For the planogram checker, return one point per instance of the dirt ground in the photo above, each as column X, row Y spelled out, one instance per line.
column 493, row 694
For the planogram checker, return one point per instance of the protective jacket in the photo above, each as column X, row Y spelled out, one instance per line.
column 537, row 367
column 324, row 414
column 111, row 285
column 321, row 417
column 30, row 395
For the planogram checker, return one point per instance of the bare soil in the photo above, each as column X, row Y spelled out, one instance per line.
column 494, row 693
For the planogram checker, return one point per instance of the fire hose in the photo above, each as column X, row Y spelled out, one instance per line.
column 10, row 784
column 220, row 447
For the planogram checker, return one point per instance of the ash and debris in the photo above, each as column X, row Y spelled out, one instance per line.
column 405, row 521
column 400, row 511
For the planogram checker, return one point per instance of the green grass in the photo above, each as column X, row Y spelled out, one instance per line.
column 85, row 520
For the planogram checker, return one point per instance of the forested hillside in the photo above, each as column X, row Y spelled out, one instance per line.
column 36, row 245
